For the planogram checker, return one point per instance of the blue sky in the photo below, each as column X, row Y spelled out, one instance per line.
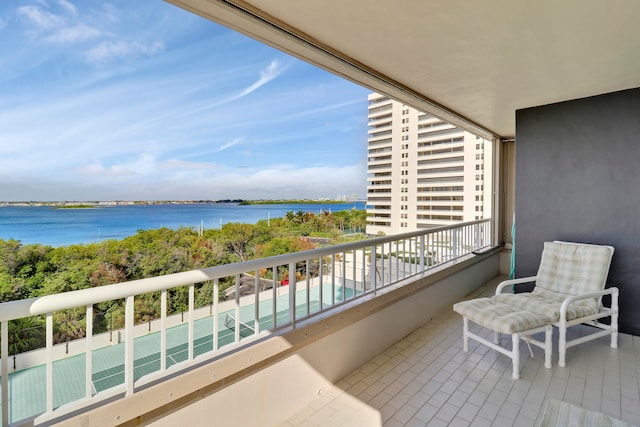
column 141, row 100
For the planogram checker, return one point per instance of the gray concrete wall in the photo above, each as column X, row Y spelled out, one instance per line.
column 578, row 179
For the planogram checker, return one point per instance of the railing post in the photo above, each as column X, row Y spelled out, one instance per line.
column 397, row 260
column 89, row 352
column 404, row 259
column 274, row 296
column 422, row 249
column 344, row 276
column 333, row 279
column 292, row 294
column 381, row 284
column 308, row 286
column 363, row 274
column 49, row 361
column 163, row 330
column 191, row 316
column 216, row 320
column 476, row 235
column 321, row 282
column 454, row 244
column 5, row 372
column 373, row 268
column 354, row 272
column 256, row 303
column 128, row 344
column 237, row 310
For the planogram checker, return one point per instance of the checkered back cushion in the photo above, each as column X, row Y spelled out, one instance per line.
column 573, row 268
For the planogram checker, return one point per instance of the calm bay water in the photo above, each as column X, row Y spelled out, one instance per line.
column 61, row 227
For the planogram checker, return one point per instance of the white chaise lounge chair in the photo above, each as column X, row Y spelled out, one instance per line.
column 568, row 291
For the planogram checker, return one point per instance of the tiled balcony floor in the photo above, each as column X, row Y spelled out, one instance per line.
column 426, row 379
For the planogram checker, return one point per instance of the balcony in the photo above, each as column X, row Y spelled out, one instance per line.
column 389, row 359
column 267, row 321
column 381, row 347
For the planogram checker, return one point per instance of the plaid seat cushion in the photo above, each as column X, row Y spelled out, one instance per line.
column 548, row 304
column 500, row 317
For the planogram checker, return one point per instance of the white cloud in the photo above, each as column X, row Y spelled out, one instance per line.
column 41, row 19
column 110, row 12
column 68, row 6
column 268, row 74
column 272, row 71
column 230, row 144
column 98, row 169
column 144, row 164
column 283, row 181
column 57, row 28
column 73, row 34
column 110, row 50
column 181, row 164
column 3, row 23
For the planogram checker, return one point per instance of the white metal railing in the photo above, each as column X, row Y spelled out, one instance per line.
column 269, row 294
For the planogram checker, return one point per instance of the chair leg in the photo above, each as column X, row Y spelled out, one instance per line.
column 465, row 334
column 562, row 343
column 515, row 355
column 496, row 337
column 548, row 346
column 614, row 320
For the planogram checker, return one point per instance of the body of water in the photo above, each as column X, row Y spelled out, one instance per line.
column 61, row 227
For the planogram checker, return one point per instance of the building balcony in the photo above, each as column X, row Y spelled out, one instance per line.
column 379, row 160
column 380, row 109
column 376, row 127
column 375, row 168
column 378, row 184
column 384, row 142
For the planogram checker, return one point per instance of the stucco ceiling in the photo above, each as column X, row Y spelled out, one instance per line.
column 473, row 61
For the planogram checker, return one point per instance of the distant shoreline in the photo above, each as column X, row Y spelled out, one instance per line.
column 296, row 202
column 76, row 204
column 77, row 207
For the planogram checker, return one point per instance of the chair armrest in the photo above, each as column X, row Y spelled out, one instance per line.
column 565, row 304
column 515, row 282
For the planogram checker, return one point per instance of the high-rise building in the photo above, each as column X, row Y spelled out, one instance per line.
column 422, row 171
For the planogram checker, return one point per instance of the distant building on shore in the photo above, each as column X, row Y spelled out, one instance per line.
column 347, row 198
